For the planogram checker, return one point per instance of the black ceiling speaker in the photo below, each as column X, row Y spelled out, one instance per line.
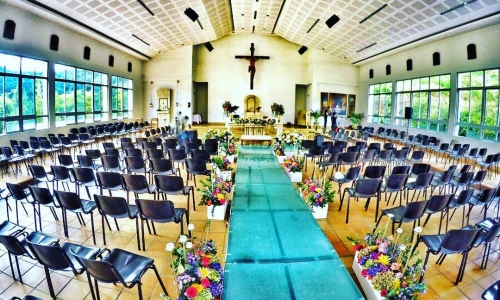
column 302, row 50
column 408, row 113
column 409, row 65
column 370, row 73
column 209, row 46
column 332, row 21
column 388, row 70
column 129, row 67
column 191, row 14
column 54, row 42
column 9, row 29
column 436, row 59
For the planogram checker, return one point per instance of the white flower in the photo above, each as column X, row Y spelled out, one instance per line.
column 191, row 227
column 390, row 216
column 183, row 239
column 399, row 230
column 180, row 269
column 418, row 229
column 402, row 247
column 189, row 245
column 170, row 247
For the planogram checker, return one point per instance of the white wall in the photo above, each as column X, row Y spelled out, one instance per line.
column 170, row 70
column 453, row 52
column 229, row 80
column 32, row 38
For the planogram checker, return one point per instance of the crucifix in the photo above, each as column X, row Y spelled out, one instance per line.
column 252, row 59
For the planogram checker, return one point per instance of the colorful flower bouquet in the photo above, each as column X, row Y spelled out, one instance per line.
column 228, row 148
column 294, row 164
column 317, row 193
column 225, row 136
column 278, row 151
column 385, row 261
column 222, row 163
column 215, row 191
column 289, row 138
column 277, row 109
column 199, row 274
column 210, row 134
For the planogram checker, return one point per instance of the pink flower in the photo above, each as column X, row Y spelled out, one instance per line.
column 191, row 292
column 205, row 283
column 395, row 266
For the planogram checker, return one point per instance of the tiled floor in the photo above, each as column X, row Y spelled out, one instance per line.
column 67, row 286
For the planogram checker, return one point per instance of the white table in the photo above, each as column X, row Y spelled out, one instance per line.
column 197, row 118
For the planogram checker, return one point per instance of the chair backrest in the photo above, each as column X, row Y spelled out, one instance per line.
column 480, row 175
column 424, row 179
column 135, row 163
column 133, row 152
column 53, row 257
column 196, row 165
column 458, row 240
column 355, row 149
column 439, row 202
column 417, row 155
column 41, row 195
column 420, row 168
column 169, row 184
column 466, row 177
column 487, row 195
column 16, row 191
column 397, row 181
column 352, row 173
column 13, row 245
column 111, row 162
column 374, row 172
column 156, row 211
column 161, row 165
column 349, row 157
column 102, row 271
column 367, row 186
column 317, row 150
column 135, row 182
column 93, row 153
column 386, row 154
column 60, row 172
column 106, row 145
column 65, row 160
column 154, row 153
column 85, row 161
column 112, row 152
column 447, row 176
column 400, row 170
column 69, row 200
column 112, row 206
column 109, row 179
column 415, row 210
column 38, row 172
column 84, row 175
column 149, row 145
column 464, row 196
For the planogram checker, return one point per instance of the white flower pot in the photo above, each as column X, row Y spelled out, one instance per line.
column 216, row 213
column 225, row 175
column 366, row 284
column 294, row 176
column 281, row 159
column 290, row 153
column 320, row 213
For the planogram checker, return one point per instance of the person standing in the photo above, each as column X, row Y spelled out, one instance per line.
column 334, row 122
column 326, row 113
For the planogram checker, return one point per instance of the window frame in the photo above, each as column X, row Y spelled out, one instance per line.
column 371, row 103
column 21, row 76
column 472, row 130
column 118, row 85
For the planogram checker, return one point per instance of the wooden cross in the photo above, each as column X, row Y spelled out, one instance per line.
column 252, row 59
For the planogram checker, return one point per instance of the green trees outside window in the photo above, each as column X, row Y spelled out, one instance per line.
column 121, row 98
column 81, row 96
column 430, row 99
column 380, row 103
column 23, row 94
column 478, row 104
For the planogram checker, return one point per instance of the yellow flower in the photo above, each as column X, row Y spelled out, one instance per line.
column 220, row 196
column 204, row 272
column 198, row 287
column 395, row 284
column 318, row 190
column 384, row 259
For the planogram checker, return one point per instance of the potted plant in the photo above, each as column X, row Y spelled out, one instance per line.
column 315, row 114
column 229, row 150
column 293, row 166
column 215, row 193
column 317, row 194
column 222, row 167
column 356, row 118
column 278, row 151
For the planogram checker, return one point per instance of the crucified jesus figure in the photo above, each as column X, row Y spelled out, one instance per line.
column 252, row 59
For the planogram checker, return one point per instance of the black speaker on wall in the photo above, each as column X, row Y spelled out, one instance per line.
column 408, row 113
column 9, row 29
column 302, row 50
column 86, row 53
column 54, row 42
column 209, row 46
column 191, row 14
column 436, row 59
column 471, row 51
column 332, row 21
column 111, row 61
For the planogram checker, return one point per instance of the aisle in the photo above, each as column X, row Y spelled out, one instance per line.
column 276, row 250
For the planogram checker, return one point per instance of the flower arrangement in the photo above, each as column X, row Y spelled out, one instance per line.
column 317, row 193
column 228, row 148
column 215, row 191
column 385, row 261
column 277, row 109
column 222, row 163
column 228, row 108
column 289, row 138
column 210, row 134
column 225, row 136
column 278, row 151
column 294, row 164
column 197, row 268
column 271, row 121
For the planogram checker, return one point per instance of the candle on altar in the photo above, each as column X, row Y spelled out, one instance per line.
column 389, row 216
column 417, row 230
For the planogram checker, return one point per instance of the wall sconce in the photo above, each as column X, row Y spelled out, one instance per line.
column 150, row 104
column 177, row 104
column 189, row 104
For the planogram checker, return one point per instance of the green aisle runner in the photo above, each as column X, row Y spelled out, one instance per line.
column 276, row 250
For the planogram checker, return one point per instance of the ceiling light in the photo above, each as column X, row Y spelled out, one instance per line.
column 373, row 13
column 145, row 7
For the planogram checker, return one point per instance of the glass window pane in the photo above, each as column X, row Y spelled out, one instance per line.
column 80, row 75
column 415, row 84
column 407, row 85
column 399, row 86
column 477, row 79
column 70, row 97
column 88, row 98
column 476, row 106
column 27, row 66
column 12, row 97
column 2, row 63
column 444, row 81
column 2, row 96
column 12, row 65
column 89, row 76
column 424, row 83
column 42, row 123
column 80, row 98
column 444, row 105
column 434, row 111
column 70, row 119
column 491, row 116
column 29, row 124
column 80, row 118
column 463, row 107
column 464, row 80
column 491, row 77
column 59, row 97
column 434, row 82
column 12, row 126
column 28, row 102
column 60, row 121
column 113, row 80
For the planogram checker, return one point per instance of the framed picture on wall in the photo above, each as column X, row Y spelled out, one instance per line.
column 351, row 103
